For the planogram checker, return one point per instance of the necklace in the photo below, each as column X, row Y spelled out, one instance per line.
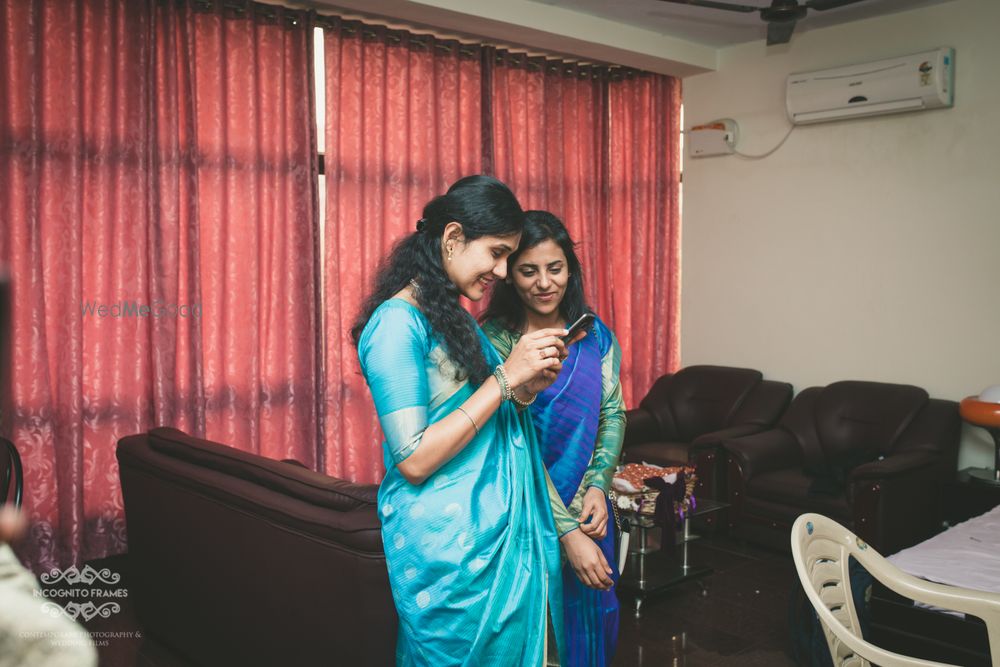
column 414, row 285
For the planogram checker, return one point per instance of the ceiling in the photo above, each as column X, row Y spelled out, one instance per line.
column 652, row 35
column 719, row 28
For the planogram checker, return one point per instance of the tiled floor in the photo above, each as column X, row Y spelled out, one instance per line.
column 738, row 617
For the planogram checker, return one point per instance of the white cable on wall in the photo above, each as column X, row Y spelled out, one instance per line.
column 763, row 155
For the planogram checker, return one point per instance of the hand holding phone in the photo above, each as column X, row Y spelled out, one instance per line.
column 582, row 324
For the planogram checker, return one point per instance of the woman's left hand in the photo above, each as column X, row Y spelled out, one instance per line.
column 594, row 517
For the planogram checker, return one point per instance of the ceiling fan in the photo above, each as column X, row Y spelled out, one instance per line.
column 781, row 16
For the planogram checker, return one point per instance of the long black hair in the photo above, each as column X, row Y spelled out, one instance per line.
column 484, row 207
column 506, row 306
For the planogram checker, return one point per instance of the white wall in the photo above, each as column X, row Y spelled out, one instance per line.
column 864, row 249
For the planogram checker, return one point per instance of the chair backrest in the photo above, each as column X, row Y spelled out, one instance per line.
column 821, row 549
column 11, row 474
column 853, row 413
column 764, row 405
column 851, row 422
column 699, row 399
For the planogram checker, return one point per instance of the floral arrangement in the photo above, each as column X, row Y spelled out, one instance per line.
column 639, row 485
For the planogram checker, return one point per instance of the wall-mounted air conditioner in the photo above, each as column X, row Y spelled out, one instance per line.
column 909, row 83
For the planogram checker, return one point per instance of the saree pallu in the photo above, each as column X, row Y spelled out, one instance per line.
column 472, row 553
column 566, row 418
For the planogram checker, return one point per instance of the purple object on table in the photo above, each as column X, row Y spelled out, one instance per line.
column 663, row 513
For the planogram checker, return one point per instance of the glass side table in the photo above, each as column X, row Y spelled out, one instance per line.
column 648, row 572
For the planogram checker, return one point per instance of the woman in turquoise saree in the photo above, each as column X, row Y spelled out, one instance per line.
column 466, row 506
column 579, row 419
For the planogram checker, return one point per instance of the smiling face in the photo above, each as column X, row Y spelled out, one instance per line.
column 475, row 264
column 540, row 276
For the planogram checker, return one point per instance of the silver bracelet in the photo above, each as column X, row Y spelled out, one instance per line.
column 500, row 373
column 474, row 424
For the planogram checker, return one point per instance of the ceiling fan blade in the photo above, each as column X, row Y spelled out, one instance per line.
column 822, row 5
column 715, row 5
column 779, row 32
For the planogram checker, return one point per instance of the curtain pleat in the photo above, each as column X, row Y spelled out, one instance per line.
column 641, row 230
column 403, row 122
column 156, row 178
column 600, row 150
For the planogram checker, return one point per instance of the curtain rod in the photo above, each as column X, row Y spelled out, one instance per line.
column 329, row 21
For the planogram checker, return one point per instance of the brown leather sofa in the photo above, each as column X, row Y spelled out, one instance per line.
column 235, row 559
column 688, row 414
column 870, row 455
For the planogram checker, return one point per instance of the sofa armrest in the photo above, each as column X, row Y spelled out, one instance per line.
column 765, row 452
column 640, row 426
column 895, row 465
column 714, row 439
column 896, row 502
column 937, row 429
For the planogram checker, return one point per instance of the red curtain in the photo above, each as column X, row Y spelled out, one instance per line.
column 73, row 121
column 257, row 232
column 547, row 142
column 642, row 227
column 154, row 155
column 160, row 229
column 600, row 149
column 403, row 122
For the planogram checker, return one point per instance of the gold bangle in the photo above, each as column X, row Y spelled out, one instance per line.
column 522, row 404
column 500, row 373
column 474, row 425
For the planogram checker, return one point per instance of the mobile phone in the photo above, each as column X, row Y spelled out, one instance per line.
column 581, row 324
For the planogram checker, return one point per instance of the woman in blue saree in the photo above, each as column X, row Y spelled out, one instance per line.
column 579, row 419
column 466, row 505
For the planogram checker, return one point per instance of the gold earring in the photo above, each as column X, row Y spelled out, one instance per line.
column 451, row 251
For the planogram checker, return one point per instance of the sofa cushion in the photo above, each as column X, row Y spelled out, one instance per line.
column 790, row 487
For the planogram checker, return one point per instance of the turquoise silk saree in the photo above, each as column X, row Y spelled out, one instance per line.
column 472, row 552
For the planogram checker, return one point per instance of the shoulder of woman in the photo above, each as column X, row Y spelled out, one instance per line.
column 500, row 336
column 397, row 318
column 605, row 336
column 495, row 330
column 491, row 327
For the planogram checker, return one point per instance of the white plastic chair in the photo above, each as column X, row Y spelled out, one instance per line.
column 821, row 548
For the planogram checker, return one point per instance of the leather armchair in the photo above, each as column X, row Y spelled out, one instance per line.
column 687, row 415
column 236, row 559
column 872, row 456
